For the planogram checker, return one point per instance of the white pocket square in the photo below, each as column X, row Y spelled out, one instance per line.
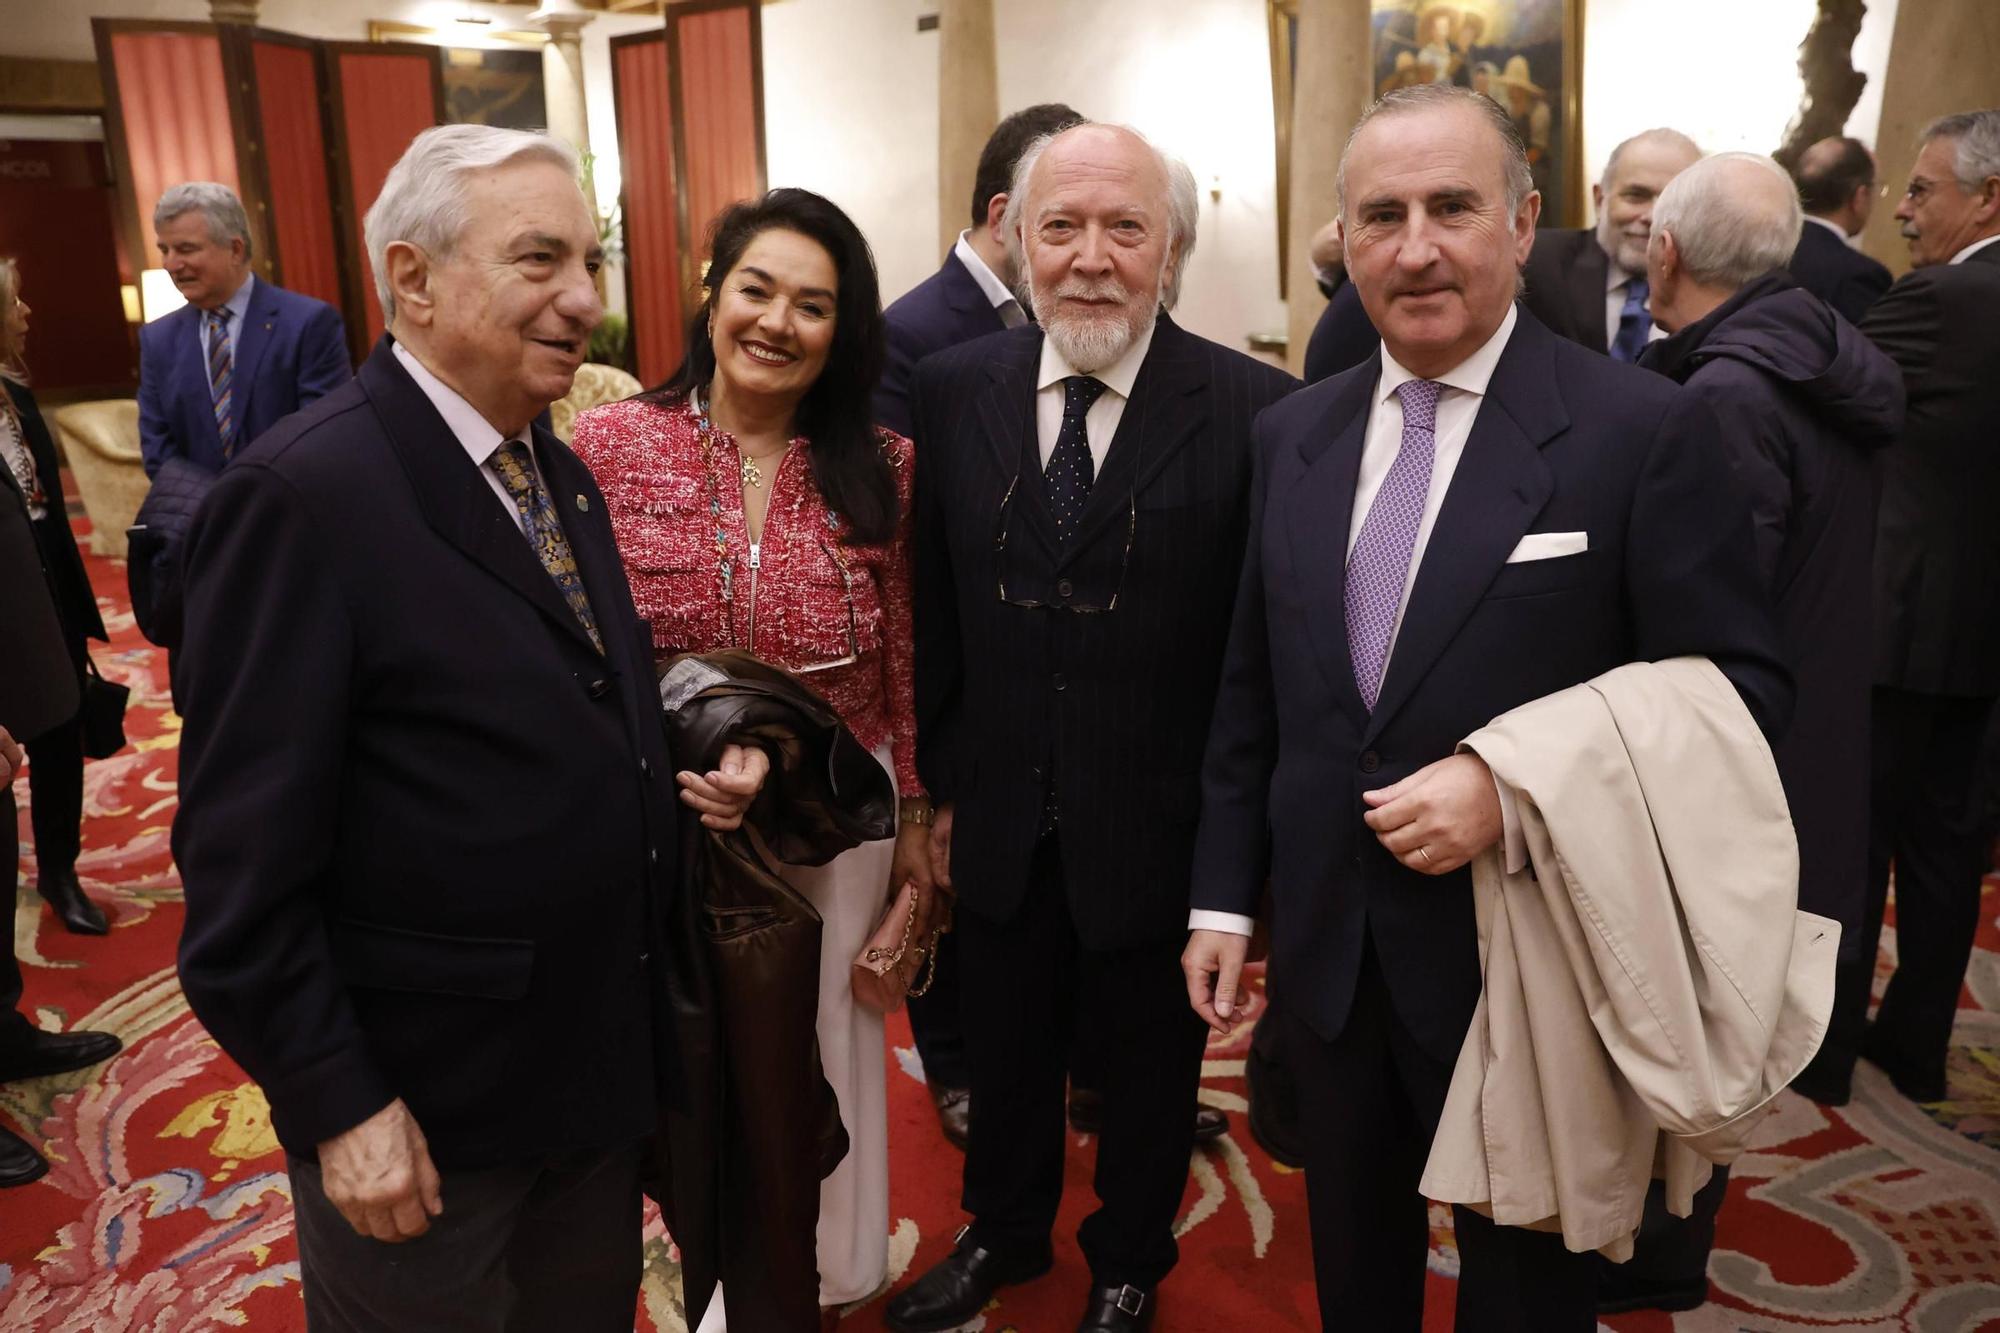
column 1549, row 545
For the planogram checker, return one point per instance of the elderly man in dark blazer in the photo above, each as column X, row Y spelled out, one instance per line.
column 425, row 823
column 1080, row 512
column 1836, row 184
column 1587, row 284
column 1937, row 617
column 241, row 354
column 1480, row 515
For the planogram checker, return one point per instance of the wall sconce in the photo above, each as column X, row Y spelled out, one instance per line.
column 158, row 297
column 1215, row 189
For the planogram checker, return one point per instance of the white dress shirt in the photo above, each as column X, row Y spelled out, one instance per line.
column 1101, row 422
column 1973, row 249
column 1616, row 280
column 989, row 282
column 236, row 307
column 475, row 434
column 1457, row 408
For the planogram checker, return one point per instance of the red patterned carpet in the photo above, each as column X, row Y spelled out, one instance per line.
column 167, row 1207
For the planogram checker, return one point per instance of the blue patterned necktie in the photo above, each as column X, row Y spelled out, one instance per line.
column 1070, row 470
column 1380, row 562
column 220, row 378
column 538, row 519
column 1635, row 326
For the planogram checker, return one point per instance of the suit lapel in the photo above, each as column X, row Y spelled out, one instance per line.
column 251, row 341
column 1007, row 419
column 1591, row 272
column 1319, row 511
column 570, row 489
column 1169, row 404
column 1501, row 483
column 456, row 500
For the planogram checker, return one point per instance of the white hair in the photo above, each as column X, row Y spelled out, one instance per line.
column 424, row 201
column 1728, row 235
column 1668, row 137
column 217, row 204
column 1975, row 140
column 1183, row 209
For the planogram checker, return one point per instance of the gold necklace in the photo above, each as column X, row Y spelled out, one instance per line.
column 752, row 474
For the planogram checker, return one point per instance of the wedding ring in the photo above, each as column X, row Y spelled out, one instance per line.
column 1425, row 852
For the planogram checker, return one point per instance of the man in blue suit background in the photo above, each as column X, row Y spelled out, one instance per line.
column 241, row 354
column 972, row 293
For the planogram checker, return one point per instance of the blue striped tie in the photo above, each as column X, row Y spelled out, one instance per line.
column 219, row 378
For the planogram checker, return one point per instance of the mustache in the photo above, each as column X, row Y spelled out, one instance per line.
column 1107, row 289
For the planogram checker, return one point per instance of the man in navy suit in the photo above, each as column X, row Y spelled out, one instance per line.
column 241, row 354
column 1389, row 607
column 1836, row 180
column 972, row 293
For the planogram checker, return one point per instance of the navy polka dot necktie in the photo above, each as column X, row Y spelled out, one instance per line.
column 1069, row 471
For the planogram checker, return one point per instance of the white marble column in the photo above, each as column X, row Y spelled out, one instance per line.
column 562, row 71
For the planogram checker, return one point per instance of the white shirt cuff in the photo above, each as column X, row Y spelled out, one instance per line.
column 1515, row 844
column 1229, row 923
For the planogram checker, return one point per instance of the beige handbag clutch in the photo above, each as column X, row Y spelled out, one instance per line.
column 902, row 949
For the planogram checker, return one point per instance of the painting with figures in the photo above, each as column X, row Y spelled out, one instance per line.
column 1521, row 53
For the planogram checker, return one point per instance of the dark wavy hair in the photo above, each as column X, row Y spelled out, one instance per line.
column 837, row 414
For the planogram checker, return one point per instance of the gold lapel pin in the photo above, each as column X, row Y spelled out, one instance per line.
column 583, row 504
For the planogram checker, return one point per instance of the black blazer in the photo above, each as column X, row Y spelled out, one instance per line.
column 1562, row 286
column 944, row 310
column 1836, row 272
column 1937, row 550
column 38, row 679
column 425, row 829
column 1565, row 441
column 76, row 603
column 1111, row 706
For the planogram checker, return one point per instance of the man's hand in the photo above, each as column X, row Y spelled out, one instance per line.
column 11, row 756
column 1213, row 963
column 725, row 793
column 379, row 1175
column 941, row 848
column 1439, row 817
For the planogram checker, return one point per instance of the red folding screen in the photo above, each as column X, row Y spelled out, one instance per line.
column 169, row 116
column 720, row 130
column 384, row 96
column 301, row 218
column 653, row 279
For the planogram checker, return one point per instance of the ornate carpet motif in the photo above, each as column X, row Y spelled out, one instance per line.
column 167, row 1207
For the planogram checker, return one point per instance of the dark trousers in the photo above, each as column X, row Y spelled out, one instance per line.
column 1369, row 1102
column 13, row 1023
column 1030, row 987
column 55, row 788
column 1671, row 1249
column 935, row 1023
column 527, row 1248
column 1926, row 822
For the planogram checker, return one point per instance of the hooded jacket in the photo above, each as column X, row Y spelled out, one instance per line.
column 1807, row 403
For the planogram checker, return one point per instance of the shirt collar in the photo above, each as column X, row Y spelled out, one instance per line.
column 236, row 306
column 1615, row 277
column 989, row 282
column 1471, row 375
column 1973, row 249
column 1118, row 377
column 475, row 434
column 1831, row 226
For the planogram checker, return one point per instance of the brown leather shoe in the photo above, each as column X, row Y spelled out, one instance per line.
column 954, row 1108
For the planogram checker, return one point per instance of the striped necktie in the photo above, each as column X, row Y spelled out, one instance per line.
column 538, row 520
column 220, row 379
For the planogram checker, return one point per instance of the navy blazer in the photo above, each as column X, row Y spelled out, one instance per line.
column 1836, row 272
column 426, row 829
column 1566, row 440
column 944, row 310
column 290, row 350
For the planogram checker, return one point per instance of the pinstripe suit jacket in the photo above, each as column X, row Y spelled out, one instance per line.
column 1111, row 706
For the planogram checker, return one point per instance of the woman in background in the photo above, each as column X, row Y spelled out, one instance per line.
column 756, row 505
column 55, row 758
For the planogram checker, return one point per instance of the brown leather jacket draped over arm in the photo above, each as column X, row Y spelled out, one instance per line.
column 752, row 1126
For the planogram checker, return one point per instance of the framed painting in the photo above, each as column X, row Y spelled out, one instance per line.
column 1527, row 55
column 496, row 82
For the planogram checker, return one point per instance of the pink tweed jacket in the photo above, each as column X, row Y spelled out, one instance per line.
column 679, row 524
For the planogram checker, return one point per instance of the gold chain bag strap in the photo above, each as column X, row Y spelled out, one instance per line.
column 903, row 947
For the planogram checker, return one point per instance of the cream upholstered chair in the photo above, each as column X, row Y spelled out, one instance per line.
column 595, row 383
column 101, row 441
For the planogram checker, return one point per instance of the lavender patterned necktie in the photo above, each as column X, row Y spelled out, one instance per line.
column 1380, row 561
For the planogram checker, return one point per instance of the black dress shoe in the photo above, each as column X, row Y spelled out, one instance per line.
column 1620, row 1292
column 1122, row 1309
column 56, row 1053
column 957, row 1289
column 19, row 1162
column 1828, row 1081
column 73, row 907
column 954, row 1108
column 1086, row 1116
